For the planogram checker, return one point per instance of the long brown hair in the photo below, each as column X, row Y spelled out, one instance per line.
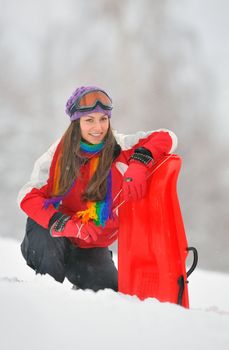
column 71, row 161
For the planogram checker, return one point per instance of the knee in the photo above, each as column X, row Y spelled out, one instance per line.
column 44, row 253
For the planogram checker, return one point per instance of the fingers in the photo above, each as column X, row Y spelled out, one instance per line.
column 125, row 191
column 88, row 233
column 92, row 233
column 87, row 239
column 83, row 234
column 133, row 191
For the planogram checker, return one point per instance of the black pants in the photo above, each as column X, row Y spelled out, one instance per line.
column 91, row 268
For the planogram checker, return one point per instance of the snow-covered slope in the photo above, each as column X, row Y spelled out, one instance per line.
column 39, row 313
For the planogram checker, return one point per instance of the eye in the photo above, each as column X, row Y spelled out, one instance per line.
column 89, row 120
column 104, row 118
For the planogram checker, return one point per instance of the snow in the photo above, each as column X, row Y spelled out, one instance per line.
column 39, row 313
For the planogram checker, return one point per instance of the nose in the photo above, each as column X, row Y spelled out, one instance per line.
column 98, row 126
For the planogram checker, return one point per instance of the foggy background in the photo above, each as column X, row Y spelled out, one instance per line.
column 164, row 62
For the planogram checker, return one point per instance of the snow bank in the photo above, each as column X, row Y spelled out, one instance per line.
column 39, row 313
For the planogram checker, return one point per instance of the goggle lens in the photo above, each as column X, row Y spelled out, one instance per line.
column 90, row 100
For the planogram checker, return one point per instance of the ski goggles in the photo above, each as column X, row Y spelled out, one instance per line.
column 90, row 100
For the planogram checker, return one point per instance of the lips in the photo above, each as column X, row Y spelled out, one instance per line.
column 95, row 135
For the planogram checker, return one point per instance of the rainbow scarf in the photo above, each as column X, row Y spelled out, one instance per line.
column 99, row 211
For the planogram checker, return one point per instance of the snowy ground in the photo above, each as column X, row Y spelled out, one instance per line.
column 38, row 313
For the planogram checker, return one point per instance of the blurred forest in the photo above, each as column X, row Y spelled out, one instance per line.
column 150, row 58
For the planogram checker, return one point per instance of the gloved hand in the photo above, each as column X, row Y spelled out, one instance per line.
column 134, row 181
column 64, row 226
column 89, row 232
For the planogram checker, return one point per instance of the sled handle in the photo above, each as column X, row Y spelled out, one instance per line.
column 181, row 282
column 195, row 260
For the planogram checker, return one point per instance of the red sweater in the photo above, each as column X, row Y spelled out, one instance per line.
column 159, row 143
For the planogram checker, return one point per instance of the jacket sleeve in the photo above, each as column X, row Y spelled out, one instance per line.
column 33, row 194
column 158, row 142
column 128, row 141
column 33, row 205
column 39, row 173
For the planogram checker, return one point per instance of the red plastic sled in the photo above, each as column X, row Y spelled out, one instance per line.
column 152, row 245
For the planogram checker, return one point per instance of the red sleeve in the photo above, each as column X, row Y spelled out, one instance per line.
column 158, row 143
column 33, row 205
column 33, row 202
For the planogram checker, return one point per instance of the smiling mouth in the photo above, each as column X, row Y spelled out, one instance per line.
column 96, row 134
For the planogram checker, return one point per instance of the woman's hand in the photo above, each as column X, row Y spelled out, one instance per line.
column 66, row 227
column 89, row 232
column 134, row 181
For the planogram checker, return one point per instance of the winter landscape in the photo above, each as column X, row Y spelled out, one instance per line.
column 166, row 65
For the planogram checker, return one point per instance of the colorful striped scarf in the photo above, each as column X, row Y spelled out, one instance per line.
column 99, row 211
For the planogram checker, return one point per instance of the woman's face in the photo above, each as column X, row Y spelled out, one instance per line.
column 94, row 127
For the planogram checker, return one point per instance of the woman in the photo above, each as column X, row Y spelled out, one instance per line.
column 72, row 214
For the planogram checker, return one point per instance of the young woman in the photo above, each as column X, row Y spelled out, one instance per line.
column 72, row 211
